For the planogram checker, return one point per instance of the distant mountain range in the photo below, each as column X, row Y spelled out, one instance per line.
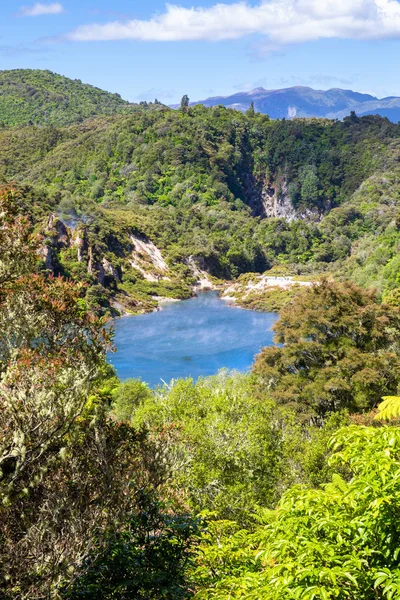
column 302, row 101
column 45, row 98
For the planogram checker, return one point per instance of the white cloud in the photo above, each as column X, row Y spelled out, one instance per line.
column 281, row 21
column 39, row 9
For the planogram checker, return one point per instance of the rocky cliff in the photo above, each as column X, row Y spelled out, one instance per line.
column 129, row 273
column 271, row 199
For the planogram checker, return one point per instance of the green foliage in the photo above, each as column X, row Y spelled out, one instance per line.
column 127, row 397
column 389, row 409
column 338, row 542
column 340, row 350
column 68, row 474
column 79, row 486
column 148, row 560
column 42, row 98
column 196, row 179
column 15, row 232
column 268, row 299
column 185, row 103
column 229, row 449
column 226, row 453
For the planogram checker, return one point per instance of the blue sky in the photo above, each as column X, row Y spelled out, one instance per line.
column 148, row 49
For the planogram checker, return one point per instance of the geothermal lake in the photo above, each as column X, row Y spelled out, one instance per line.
column 192, row 338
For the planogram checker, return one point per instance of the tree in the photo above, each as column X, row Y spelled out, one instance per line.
column 226, row 447
column 51, row 354
column 340, row 349
column 127, row 397
column 17, row 244
column 309, row 185
column 250, row 112
column 69, row 476
column 135, row 565
column 185, row 103
column 338, row 542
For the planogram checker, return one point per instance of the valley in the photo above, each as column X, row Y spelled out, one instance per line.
column 157, row 440
column 161, row 195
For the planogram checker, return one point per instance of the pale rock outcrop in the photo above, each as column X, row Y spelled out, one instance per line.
column 57, row 232
column 271, row 200
column 55, row 236
column 109, row 269
column 197, row 266
column 147, row 259
column 268, row 200
column 46, row 254
column 276, row 202
column 80, row 241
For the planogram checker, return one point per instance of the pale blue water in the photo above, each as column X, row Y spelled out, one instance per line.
column 192, row 338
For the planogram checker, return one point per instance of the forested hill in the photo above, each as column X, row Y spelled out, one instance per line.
column 283, row 483
column 42, row 97
column 155, row 195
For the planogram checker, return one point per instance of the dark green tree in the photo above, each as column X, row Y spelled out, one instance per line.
column 340, row 349
column 146, row 561
column 250, row 112
column 309, row 185
column 185, row 103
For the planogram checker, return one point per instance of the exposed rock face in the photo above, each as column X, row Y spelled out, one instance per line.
column 276, row 202
column 57, row 232
column 272, row 200
column 110, row 270
column 147, row 259
column 80, row 240
column 268, row 200
column 198, row 266
column 145, row 256
column 55, row 236
column 46, row 254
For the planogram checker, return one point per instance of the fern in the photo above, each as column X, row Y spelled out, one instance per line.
column 389, row 409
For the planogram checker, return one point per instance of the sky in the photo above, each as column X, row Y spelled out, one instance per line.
column 146, row 49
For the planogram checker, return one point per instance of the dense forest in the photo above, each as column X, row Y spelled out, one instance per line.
column 281, row 483
column 30, row 97
column 229, row 192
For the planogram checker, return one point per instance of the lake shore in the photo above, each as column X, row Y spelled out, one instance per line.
column 252, row 291
column 265, row 293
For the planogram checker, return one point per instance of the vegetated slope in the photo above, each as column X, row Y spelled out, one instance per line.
column 301, row 101
column 42, row 97
column 169, row 158
column 233, row 192
column 86, row 487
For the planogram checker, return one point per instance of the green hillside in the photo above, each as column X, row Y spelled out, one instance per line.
column 235, row 192
column 280, row 483
column 42, row 97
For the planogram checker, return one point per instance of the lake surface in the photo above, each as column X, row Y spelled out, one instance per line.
column 192, row 338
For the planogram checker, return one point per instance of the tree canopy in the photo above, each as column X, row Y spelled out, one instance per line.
column 338, row 542
column 337, row 348
column 69, row 476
